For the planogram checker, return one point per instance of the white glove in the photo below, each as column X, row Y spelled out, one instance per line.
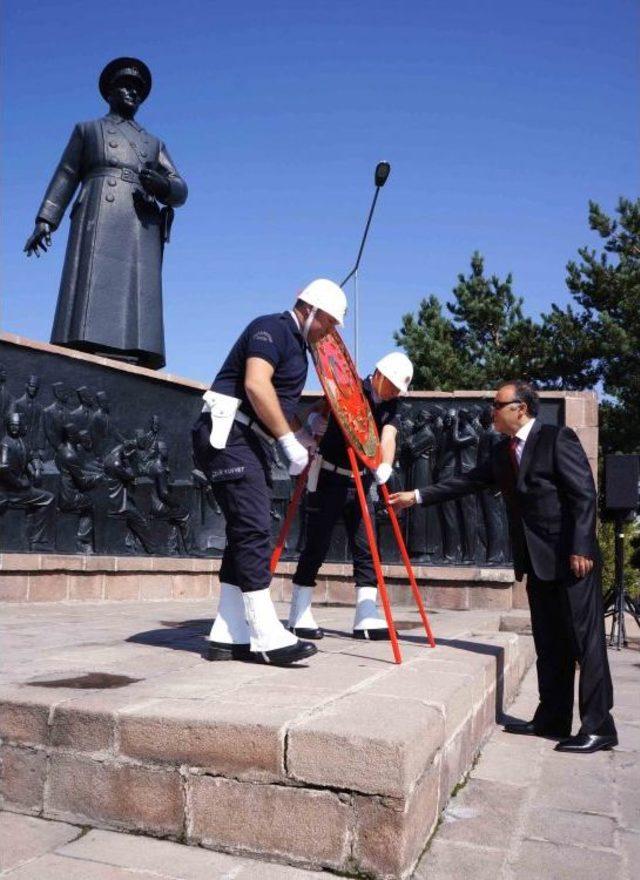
column 295, row 452
column 382, row 473
column 317, row 423
column 304, row 437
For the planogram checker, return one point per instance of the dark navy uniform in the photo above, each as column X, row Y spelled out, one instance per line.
column 337, row 496
column 239, row 473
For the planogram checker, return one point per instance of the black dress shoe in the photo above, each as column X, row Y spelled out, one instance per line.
column 530, row 728
column 373, row 635
column 226, row 651
column 585, row 743
column 303, row 633
column 285, row 656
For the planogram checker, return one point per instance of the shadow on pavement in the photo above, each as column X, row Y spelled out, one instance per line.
column 184, row 635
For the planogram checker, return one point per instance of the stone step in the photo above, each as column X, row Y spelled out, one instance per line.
column 51, row 577
column 344, row 765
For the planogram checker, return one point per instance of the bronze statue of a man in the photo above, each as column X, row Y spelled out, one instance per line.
column 110, row 299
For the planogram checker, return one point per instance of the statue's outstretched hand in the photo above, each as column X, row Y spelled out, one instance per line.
column 39, row 238
column 154, row 183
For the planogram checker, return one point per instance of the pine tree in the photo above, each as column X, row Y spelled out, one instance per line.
column 593, row 342
column 599, row 341
column 484, row 338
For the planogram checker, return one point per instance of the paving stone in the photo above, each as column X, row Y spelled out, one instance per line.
column 47, row 587
column 491, row 597
column 122, row 587
column 629, row 805
column 280, row 696
column 482, row 813
column 86, row 725
column 161, row 857
column 23, row 774
column 199, row 681
column 445, row 860
column 60, row 562
column 626, row 712
column 437, row 686
column 532, row 745
column 155, row 586
column 191, row 586
column 14, row 587
column 23, row 838
column 54, row 867
column 379, row 745
column 227, row 738
column 508, row 763
column 123, row 796
column 579, row 783
column 86, row 587
column 390, row 834
column 257, row 870
column 24, row 714
column 450, row 597
column 100, row 563
column 540, row 859
column 630, row 847
column 561, row 826
column 628, row 737
column 456, row 758
column 310, row 826
column 338, row 672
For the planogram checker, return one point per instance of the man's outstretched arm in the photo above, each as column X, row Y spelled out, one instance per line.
column 475, row 480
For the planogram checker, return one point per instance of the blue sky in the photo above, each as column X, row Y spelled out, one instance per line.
column 501, row 120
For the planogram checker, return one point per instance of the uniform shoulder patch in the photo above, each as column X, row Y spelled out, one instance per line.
column 263, row 336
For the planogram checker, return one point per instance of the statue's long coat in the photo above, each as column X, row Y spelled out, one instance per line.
column 111, row 290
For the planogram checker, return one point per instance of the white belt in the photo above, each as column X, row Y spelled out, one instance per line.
column 344, row 472
column 244, row 419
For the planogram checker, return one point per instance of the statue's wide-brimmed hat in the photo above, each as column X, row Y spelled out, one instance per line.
column 121, row 67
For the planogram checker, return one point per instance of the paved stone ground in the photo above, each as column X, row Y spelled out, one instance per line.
column 525, row 812
column 530, row 812
column 37, row 849
column 363, row 753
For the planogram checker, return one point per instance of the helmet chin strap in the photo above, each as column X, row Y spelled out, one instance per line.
column 308, row 322
column 377, row 397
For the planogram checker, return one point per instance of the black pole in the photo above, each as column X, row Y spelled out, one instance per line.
column 618, row 636
column 382, row 172
column 364, row 238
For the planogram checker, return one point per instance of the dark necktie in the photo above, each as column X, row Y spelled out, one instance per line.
column 513, row 445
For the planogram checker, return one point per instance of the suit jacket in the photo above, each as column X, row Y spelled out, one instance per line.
column 551, row 503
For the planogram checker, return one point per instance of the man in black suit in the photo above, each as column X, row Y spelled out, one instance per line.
column 548, row 487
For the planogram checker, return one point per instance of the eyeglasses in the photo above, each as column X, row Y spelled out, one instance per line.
column 500, row 404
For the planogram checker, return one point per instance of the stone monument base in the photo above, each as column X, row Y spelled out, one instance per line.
column 109, row 403
column 29, row 577
column 110, row 718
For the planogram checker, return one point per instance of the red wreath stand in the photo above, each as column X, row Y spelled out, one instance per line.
column 343, row 390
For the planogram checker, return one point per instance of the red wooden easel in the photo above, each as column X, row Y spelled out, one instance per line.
column 350, row 407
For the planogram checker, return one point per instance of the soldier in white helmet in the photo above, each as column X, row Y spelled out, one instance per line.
column 252, row 404
column 335, row 496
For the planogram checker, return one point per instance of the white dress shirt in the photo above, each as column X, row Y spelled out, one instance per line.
column 521, row 437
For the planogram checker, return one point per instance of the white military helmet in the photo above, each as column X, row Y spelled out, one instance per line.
column 397, row 368
column 327, row 296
